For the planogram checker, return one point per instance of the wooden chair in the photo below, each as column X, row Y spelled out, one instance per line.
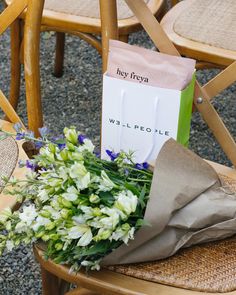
column 10, row 150
column 192, row 271
column 80, row 18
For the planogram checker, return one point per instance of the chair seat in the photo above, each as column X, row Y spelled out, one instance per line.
column 86, row 8
column 208, row 267
column 11, row 152
column 203, row 29
column 212, row 22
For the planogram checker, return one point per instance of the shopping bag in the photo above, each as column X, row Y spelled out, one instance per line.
column 147, row 99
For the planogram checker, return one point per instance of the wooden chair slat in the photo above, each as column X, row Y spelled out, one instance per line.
column 8, row 109
column 152, row 27
column 8, row 16
column 220, row 82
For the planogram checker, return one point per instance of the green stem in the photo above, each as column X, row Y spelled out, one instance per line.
column 139, row 180
column 25, row 137
column 138, row 170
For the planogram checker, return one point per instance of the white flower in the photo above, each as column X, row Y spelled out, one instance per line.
column 28, row 215
column 54, row 213
column 86, row 238
column 81, row 176
column 9, row 245
column 77, row 170
column 40, row 221
column 44, row 151
column 126, row 201
column 87, row 145
column 71, row 194
column 21, row 227
column 83, row 182
column 124, row 233
column 43, row 195
column 55, row 182
column 63, row 173
column 113, row 219
column 93, row 265
column 78, row 231
column 80, row 219
column 105, row 183
column 103, row 234
column 88, row 212
column 5, row 214
column 71, row 135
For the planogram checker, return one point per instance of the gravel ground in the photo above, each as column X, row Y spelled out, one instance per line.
column 75, row 99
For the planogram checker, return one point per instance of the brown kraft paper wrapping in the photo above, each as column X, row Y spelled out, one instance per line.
column 187, row 205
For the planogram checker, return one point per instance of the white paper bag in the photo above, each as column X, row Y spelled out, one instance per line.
column 141, row 118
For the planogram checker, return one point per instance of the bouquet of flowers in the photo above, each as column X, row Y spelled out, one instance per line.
column 81, row 206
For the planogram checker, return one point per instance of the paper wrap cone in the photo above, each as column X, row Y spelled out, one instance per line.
column 187, row 205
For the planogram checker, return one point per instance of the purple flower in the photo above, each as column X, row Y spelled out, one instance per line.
column 81, row 138
column 30, row 134
column 97, row 154
column 60, row 141
column 17, row 127
column 31, row 165
column 44, row 131
column 61, row 146
column 126, row 172
column 38, row 144
column 21, row 163
column 20, row 135
column 141, row 166
column 112, row 155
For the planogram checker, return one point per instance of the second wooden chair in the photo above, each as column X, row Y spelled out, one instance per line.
column 80, row 18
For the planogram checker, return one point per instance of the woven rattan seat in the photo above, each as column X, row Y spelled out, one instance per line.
column 9, row 153
column 208, row 267
column 214, row 26
column 86, row 8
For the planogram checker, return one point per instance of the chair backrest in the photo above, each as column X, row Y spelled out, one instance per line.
column 32, row 22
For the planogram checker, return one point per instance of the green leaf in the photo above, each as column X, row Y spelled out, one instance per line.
column 142, row 197
column 107, row 198
column 132, row 187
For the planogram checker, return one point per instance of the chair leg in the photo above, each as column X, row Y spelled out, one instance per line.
column 59, row 58
column 124, row 38
column 109, row 27
column 15, row 63
column 50, row 283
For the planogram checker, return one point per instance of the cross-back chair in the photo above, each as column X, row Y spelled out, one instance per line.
column 204, row 269
column 80, row 18
column 10, row 150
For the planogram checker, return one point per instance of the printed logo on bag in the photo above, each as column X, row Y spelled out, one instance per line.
column 139, row 127
column 131, row 75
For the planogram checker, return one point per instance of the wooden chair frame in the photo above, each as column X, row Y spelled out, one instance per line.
column 7, row 18
column 29, row 58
